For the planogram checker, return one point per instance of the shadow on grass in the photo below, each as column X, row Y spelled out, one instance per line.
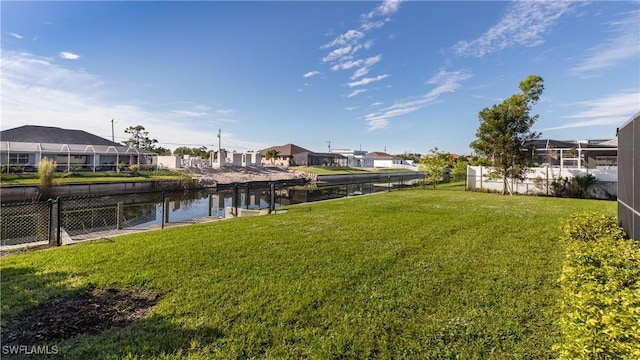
column 39, row 311
column 153, row 336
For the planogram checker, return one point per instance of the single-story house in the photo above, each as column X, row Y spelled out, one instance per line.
column 355, row 158
column 285, row 155
column 22, row 148
column 293, row 155
column 384, row 160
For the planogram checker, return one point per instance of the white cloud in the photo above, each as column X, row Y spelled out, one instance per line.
column 387, row 7
column 37, row 91
column 375, row 124
column 17, row 36
column 613, row 109
column 337, row 53
column 366, row 81
column 524, row 24
column 372, row 60
column 625, row 45
column 69, row 56
column 349, row 37
column 310, row 74
column 347, row 65
column 356, row 92
column 360, row 73
column 445, row 81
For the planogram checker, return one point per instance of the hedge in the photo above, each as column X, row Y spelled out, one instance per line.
column 600, row 282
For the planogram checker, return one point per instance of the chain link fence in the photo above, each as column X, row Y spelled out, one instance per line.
column 66, row 220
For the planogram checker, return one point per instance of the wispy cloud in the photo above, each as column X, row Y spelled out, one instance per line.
column 387, row 7
column 368, row 80
column 624, row 45
column 613, row 109
column 444, row 81
column 17, row 36
column 356, row 92
column 344, row 47
column 310, row 74
column 69, row 55
column 38, row 91
column 524, row 24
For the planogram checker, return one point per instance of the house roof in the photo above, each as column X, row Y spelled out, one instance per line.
column 53, row 135
column 564, row 144
column 29, row 138
column 378, row 155
column 286, row 150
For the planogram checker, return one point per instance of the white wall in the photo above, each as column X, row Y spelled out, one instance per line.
column 169, row 162
column 538, row 180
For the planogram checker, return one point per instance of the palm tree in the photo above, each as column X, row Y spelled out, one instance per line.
column 272, row 154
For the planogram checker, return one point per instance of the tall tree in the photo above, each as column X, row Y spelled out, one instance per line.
column 139, row 138
column 504, row 136
column 436, row 164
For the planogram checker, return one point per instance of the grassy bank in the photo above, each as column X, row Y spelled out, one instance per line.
column 83, row 177
column 408, row 274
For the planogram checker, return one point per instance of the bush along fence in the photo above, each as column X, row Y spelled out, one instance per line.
column 576, row 183
column 600, row 282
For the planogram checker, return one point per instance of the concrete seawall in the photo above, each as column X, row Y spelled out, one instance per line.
column 381, row 176
column 22, row 193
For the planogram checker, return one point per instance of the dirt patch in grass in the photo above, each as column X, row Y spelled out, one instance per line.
column 64, row 317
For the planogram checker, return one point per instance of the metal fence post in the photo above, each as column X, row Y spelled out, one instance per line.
column 210, row 204
column 59, row 221
column 50, row 235
column 272, row 197
column 163, row 211
column 119, row 215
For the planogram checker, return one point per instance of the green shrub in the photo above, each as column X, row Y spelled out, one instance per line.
column 590, row 227
column 46, row 169
column 600, row 281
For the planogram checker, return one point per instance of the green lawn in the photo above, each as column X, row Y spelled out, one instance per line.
column 407, row 274
column 83, row 177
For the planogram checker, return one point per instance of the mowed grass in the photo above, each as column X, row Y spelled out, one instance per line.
column 32, row 178
column 407, row 274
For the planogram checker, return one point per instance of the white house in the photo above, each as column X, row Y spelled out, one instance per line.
column 355, row 158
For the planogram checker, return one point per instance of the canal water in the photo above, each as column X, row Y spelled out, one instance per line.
column 87, row 215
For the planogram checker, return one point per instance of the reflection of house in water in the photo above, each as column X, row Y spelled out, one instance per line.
column 84, row 215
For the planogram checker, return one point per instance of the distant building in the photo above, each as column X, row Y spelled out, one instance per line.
column 22, row 149
column 355, row 158
column 384, row 160
column 293, row 155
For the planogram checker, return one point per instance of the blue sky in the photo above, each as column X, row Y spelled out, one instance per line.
column 388, row 75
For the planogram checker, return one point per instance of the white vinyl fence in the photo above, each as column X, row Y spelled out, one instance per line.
column 538, row 181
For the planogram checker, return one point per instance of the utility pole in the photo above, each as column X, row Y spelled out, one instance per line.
column 329, row 142
column 113, row 138
column 219, row 142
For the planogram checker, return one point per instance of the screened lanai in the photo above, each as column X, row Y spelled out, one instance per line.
column 577, row 154
column 25, row 156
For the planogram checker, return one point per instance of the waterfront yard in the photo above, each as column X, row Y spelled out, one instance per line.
column 407, row 274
